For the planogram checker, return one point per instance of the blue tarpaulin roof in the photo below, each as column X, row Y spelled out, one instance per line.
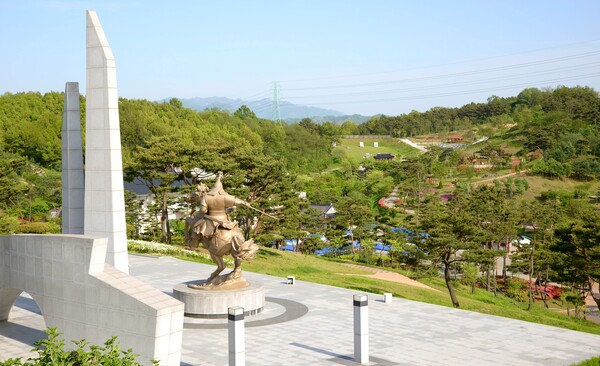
column 381, row 246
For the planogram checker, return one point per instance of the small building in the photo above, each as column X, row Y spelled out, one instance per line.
column 520, row 242
column 453, row 139
column 479, row 162
column 327, row 210
column 432, row 181
column 384, row 157
column 515, row 162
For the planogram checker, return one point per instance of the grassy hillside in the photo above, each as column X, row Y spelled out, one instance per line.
column 538, row 184
column 510, row 142
column 393, row 146
column 334, row 273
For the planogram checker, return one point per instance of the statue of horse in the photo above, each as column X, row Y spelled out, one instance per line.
column 224, row 241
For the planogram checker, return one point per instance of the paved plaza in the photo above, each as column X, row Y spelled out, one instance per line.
column 311, row 324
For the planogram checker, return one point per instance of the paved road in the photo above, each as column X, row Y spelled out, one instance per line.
column 311, row 324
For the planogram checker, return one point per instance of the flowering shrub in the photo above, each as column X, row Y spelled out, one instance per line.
column 149, row 247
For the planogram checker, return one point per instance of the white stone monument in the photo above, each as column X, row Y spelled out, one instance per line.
column 78, row 281
column 361, row 144
column 72, row 163
column 104, row 195
column 376, row 144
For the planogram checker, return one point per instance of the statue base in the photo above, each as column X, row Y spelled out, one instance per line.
column 223, row 282
column 213, row 302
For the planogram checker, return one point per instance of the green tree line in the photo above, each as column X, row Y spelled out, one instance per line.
column 268, row 163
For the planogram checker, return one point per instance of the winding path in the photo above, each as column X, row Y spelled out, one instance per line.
column 389, row 201
column 416, row 146
column 490, row 180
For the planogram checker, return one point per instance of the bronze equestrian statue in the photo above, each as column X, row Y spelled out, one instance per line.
column 211, row 226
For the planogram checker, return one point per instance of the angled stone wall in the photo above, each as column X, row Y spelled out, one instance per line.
column 87, row 299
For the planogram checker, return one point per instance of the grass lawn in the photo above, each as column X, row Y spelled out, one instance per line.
column 594, row 361
column 386, row 146
column 330, row 272
column 334, row 273
column 538, row 184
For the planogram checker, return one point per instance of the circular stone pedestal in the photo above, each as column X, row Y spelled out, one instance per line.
column 211, row 303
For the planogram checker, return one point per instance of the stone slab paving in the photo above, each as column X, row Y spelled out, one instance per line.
column 311, row 324
column 24, row 327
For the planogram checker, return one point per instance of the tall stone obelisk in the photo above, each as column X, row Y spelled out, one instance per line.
column 104, row 199
column 72, row 163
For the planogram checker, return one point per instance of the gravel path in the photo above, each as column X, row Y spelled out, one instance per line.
column 382, row 274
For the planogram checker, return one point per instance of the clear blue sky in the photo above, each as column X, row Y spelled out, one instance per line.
column 367, row 57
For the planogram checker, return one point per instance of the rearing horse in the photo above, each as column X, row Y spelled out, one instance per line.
column 224, row 238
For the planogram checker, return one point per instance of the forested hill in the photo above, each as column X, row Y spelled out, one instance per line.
column 443, row 192
column 568, row 107
column 356, row 118
column 156, row 137
column 563, row 124
column 31, row 127
column 558, row 128
column 556, row 131
column 263, row 108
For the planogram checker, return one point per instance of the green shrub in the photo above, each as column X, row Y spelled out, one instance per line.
column 9, row 224
column 38, row 228
column 51, row 352
column 470, row 275
column 516, row 290
column 39, row 206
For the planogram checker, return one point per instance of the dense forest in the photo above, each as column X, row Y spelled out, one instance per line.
column 553, row 134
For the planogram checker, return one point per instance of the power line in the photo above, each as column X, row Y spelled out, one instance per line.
column 465, row 73
column 518, row 74
column 453, row 84
column 330, row 77
column 463, row 92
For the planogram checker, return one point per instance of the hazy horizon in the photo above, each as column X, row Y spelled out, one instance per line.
column 380, row 57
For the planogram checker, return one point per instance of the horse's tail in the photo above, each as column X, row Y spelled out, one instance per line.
column 243, row 249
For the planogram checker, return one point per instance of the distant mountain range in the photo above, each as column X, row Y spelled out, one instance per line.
column 263, row 109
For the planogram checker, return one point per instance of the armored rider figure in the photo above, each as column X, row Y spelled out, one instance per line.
column 214, row 205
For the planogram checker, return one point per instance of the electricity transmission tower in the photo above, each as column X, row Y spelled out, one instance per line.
column 276, row 111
